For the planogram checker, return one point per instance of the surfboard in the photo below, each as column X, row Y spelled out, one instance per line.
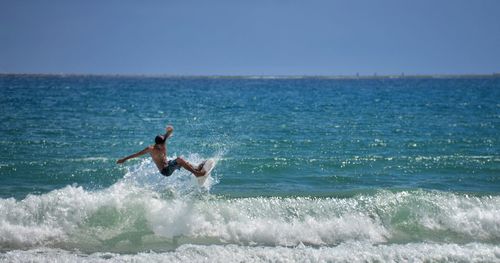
column 207, row 167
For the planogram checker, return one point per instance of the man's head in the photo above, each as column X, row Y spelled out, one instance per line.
column 160, row 139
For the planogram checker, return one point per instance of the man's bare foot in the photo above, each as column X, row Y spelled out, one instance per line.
column 200, row 166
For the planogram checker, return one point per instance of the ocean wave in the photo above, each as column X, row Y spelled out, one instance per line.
column 132, row 217
column 144, row 211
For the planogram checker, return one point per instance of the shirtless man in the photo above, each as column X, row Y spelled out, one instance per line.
column 158, row 152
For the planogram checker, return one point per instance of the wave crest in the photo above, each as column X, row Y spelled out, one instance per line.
column 144, row 211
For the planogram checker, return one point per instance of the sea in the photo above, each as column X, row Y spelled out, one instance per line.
column 309, row 169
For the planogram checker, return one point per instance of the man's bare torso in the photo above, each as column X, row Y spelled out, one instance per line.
column 159, row 155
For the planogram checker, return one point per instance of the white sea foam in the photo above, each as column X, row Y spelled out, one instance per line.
column 347, row 252
column 266, row 221
column 144, row 210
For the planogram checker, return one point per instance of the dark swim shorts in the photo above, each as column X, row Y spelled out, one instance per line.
column 170, row 168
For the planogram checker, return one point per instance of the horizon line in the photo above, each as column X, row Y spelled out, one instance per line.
column 260, row 76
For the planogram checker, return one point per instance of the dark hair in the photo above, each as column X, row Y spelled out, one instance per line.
column 160, row 139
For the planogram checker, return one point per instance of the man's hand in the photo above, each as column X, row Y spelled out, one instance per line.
column 170, row 130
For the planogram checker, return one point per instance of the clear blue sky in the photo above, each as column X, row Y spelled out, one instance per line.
column 250, row 37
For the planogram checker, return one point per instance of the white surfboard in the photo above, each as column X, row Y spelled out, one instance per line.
column 207, row 167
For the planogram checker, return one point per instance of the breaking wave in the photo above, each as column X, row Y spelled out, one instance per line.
column 176, row 218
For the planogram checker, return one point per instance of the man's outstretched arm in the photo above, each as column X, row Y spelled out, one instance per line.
column 146, row 150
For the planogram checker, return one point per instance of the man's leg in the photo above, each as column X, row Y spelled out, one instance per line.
column 186, row 165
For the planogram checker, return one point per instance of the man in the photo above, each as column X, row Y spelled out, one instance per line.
column 158, row 153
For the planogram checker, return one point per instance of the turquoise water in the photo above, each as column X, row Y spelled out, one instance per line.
column 308, row 169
